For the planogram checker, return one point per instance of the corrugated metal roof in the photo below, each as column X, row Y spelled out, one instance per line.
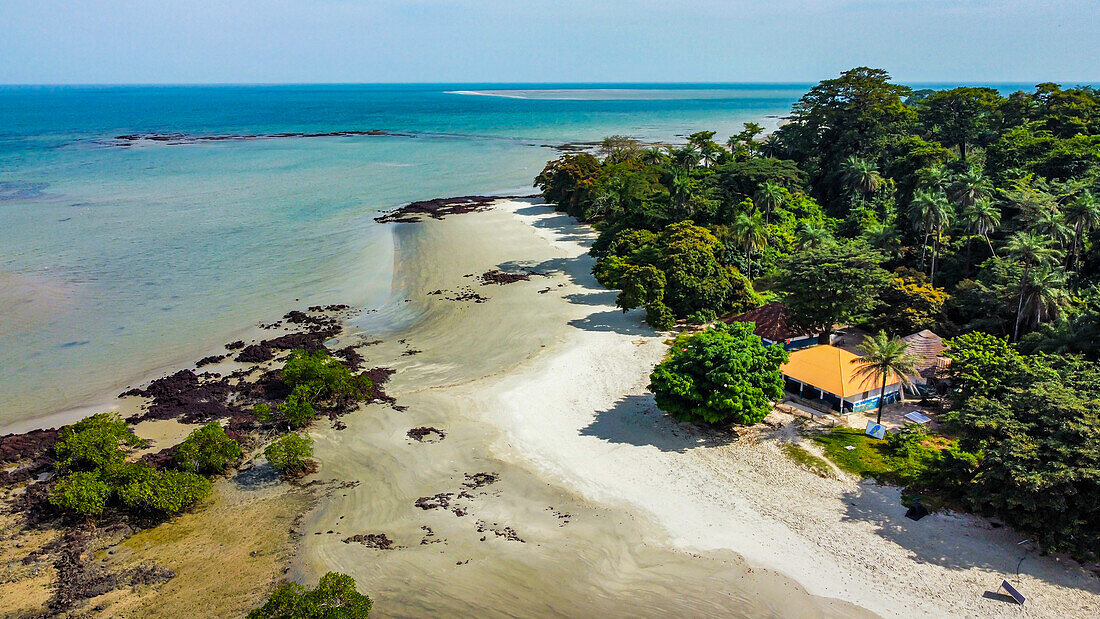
column 831, row 369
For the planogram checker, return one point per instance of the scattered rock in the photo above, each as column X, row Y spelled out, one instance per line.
column 378, row 541
column 425, row 433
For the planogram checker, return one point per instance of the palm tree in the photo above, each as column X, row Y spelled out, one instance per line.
column 933, row 178
column 1047, row 295
column 930, row 211
column 1033, row 251
column 811, row 236
column 687, row 157
column 752, row 233
column 881, row 356
column 1084, row 215
column 860, row 175
column 1052, row 225
column 971, row 186
column 768, row 197
column 773, row 146
column 981, row 218
column 682, row 192
column 654, row 156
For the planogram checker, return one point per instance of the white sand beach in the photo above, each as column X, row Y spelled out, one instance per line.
column 620, row 510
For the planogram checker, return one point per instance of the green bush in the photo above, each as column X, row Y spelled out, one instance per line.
column 94, row 442
column 207, row 450
column 724, row 374
column 659, row 316
column 321, row 377
column 81, row 492
column 334, row 598
column 297, row 410
column 143, row 488
column 703, row 317
column 290, row 454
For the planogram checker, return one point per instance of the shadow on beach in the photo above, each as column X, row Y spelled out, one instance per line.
column 636, row 420
column 959, row 542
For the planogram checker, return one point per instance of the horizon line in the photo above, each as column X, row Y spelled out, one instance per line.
column 482, row 83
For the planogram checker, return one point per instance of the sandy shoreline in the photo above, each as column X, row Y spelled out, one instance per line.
column 544, row 384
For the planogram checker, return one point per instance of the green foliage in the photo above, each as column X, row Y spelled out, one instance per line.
column 831, row 284
column 297, row 410
column 321, row 377
column 659, row 316
column 908, row 303
column 207, row 450
column 316, row 378
column 702, row 317
column 94, row 442
column 141, row 487
column 290, row 454
column 723, row 375
column 1033, row 426
column 335, row 597
column 81, row 492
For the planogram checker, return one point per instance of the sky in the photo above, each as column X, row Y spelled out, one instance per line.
column 464, row 41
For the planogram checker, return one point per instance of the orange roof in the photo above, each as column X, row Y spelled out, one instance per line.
column 831, row 369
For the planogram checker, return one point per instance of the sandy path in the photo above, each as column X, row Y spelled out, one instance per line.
column 549, row 391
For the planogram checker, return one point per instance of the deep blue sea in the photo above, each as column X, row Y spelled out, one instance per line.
column 119, row 259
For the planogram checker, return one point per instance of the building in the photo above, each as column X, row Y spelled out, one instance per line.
column 928, row 348
column 773, row 327
column 827, row 373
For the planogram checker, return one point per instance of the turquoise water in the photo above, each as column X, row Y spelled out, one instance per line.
column 117, row 262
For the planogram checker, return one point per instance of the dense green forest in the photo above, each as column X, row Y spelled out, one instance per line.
column 961, row 211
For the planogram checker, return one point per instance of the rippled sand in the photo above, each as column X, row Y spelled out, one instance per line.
column 528, row 544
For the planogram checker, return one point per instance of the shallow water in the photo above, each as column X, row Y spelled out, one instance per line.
column 120, row 262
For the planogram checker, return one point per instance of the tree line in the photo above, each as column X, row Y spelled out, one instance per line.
column 962, row 210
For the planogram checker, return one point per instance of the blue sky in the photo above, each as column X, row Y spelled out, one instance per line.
column 281, row 41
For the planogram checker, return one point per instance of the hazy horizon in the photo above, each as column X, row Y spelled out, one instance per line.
column 249, row 42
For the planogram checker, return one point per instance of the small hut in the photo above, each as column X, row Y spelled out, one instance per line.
column 773, row 325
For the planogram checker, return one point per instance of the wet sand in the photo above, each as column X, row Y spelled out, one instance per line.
column 529, row 543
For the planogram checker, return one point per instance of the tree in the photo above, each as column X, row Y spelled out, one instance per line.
column 861, row 176
column 568, row 181
column 831, row 285
column 207, row 450
column 334, row 598
column 290, row 454
column 82, row 492
column 1084, row 215
column 1031, row 250
column 769, row 197
column 884, row 357
column 981, row 218
column 94, row 442
column 143, row 488
column 722, row 375
column 910, row 303
column 960, row 116
column 811, row 236
column 1046, row 295
column 688, row 256
column 933, row 212
column 752, row 234
column 970, row 187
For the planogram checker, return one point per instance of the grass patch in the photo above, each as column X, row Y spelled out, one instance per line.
column 808, row 460
column 870, row 457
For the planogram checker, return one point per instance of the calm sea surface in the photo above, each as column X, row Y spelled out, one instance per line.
column 117, row 261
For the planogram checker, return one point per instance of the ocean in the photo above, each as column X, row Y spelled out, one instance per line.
column 124, row 258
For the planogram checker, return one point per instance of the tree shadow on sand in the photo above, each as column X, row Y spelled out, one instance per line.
column 566, row 226
column 636, row 420
column 960, row 542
